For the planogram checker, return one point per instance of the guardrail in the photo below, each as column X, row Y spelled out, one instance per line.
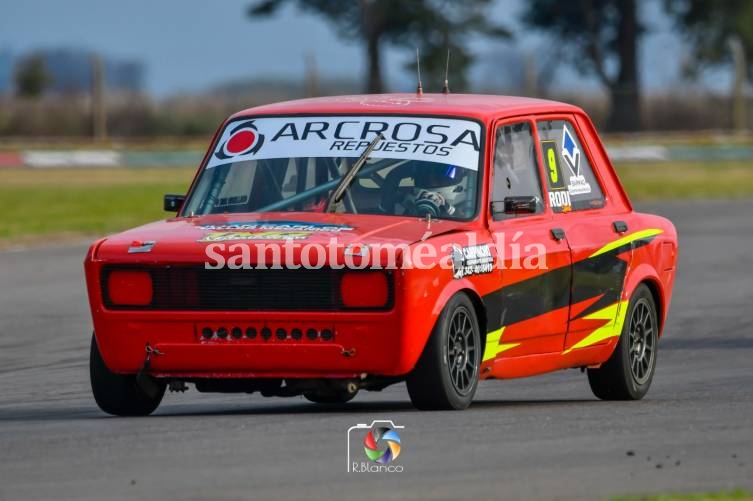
column 47, row 159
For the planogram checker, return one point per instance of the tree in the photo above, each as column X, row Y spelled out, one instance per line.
column 433, row 25
column 597, row 35
column 439, row 27
column 31, row 76
column 710, row 25
column 719, row 33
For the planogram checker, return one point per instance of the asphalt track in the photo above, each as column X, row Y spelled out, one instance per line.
column 536, row 438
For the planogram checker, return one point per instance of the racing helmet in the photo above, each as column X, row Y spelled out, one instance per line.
column 439, row 189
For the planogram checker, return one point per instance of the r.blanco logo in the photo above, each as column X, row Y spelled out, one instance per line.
column 381, row 445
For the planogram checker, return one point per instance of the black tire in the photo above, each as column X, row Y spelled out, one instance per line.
column 339, row 397
column 446, row 377
column 119, row 394
column 628, row 373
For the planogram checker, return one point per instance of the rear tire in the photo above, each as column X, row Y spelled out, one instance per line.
column 628, row 373
column 446, row 375
column 119, row 394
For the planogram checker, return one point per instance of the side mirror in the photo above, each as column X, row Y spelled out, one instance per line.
column 173, row 203
column 515, row 205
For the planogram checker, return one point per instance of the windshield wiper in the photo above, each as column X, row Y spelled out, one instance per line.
column 347, row 180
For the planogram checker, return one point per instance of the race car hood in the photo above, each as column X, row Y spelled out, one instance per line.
column 186, row 240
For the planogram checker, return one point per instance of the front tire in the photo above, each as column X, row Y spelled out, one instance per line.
column 628, row 373
column 446, row 375
column 119, row 394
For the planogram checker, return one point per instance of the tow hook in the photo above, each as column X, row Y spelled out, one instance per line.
column 147, row 383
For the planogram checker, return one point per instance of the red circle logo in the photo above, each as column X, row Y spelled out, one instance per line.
column 241, row 141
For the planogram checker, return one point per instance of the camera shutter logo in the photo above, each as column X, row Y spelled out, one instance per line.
column 382, row 445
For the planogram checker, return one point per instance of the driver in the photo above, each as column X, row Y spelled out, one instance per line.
column 438, row 189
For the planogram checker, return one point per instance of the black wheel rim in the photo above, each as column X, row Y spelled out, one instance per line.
column 462, row 351
column 642, row 342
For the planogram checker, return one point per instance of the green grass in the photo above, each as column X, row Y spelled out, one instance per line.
column 711, row 496
column 47, row 205
column 55, row 204
column 671, row 180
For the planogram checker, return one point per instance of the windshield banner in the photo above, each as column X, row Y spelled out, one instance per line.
column 443, row 140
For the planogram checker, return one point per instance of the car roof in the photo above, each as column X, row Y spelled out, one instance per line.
column 479, row 106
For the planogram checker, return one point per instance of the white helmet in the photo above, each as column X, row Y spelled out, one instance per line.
column 439, row 189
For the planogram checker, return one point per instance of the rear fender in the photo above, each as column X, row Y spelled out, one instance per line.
column 648, row 274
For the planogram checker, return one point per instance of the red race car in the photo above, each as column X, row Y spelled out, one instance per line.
column 339, row 244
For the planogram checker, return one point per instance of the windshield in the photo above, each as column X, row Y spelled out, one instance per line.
column 422, row 166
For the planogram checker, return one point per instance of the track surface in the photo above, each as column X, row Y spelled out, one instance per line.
column 537, row 438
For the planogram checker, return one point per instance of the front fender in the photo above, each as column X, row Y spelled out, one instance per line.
column 427, row 292
column 452, row 288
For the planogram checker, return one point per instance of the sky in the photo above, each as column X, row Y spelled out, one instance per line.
column 192, row 45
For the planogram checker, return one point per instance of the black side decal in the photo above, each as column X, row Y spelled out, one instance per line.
column 601, row 275
column 528, row 298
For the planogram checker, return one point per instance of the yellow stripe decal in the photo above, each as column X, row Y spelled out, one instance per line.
column 615, row 313
column 638, row 235
column 493, row 346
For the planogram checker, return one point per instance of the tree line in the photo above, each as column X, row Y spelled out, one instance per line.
column 598, row 37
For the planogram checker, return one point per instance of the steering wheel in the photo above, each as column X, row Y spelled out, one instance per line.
column 427, row 207
column 390, row 189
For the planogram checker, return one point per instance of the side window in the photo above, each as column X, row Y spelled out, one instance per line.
column 569, row 176
column 515, row 169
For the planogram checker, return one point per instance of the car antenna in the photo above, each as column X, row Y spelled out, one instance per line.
column 420, row 88
column 446, row 86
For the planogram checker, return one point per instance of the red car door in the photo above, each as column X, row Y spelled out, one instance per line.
column 528, row 314
column 576, row 197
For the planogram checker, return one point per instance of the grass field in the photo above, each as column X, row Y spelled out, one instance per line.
column 648, row 181
column 38, row 206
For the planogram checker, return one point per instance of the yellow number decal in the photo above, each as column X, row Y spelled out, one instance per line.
column 552, row 165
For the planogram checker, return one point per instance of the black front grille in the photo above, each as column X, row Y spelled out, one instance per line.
column 196, row 288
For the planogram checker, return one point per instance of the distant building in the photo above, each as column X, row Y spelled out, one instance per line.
column 71, row 71
column 124, row 75
column 6, row 71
